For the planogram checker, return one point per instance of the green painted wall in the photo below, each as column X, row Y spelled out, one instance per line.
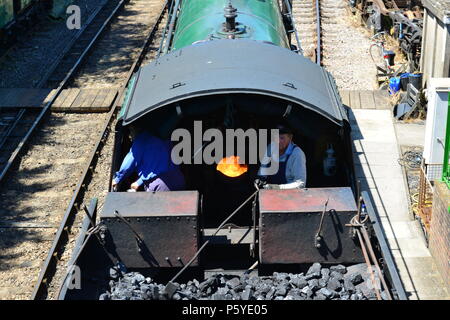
column 203, row 19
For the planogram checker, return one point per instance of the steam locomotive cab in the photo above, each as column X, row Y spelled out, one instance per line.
column 313, row 133
column 213, row 94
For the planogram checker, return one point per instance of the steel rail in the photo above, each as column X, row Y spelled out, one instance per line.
column 16, row 152
column 56, row 94
column 61, row 237
column 85, row 226
column 69, row 46
column 91, row 44
column 291, row 15
column 63, row 230
column 12, row 126
column 318, row 30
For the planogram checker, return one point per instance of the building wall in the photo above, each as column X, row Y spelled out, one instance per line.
column 439, row 239
column 435, row 60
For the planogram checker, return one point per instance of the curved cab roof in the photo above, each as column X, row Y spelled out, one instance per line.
column 233, row 66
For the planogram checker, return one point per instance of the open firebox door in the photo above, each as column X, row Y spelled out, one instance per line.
column 230, row 167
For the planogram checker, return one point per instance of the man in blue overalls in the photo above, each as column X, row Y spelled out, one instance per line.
column 291, row 172
column 149, row 157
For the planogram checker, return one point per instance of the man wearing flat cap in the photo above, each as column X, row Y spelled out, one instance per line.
column 291, row 160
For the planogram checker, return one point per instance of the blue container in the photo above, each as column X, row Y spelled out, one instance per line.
column 394, row 85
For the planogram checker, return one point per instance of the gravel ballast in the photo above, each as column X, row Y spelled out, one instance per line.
column 345, row 46
column 39, row 48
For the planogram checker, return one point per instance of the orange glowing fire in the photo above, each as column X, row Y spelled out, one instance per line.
column 231, row 167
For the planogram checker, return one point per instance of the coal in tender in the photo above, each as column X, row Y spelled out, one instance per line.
column 355, row 278
column 281, row 291
column 326, row 293
column 313, row 284
column 339, row 268
column 334, row 284
column 314, row 271
column 233, row 283
column 319, row 296
column 319, row 283
column 336, row 275
column 299, row 282
column 247, row 294
column 105, row 296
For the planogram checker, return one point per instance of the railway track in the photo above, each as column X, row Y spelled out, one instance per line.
column 331, row 38
column 30, row 58
column 345, row 47
column 36, row 195
column 307, row 23
column 332, row 13
column 18, row 124
column 108, row 67
column 96, row 172
column 71, row 60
